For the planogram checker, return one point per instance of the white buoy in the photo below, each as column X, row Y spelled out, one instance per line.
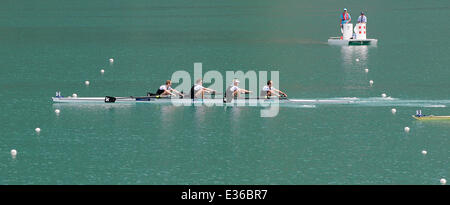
column 13, row 153
column 111, row 60
column 393, row 110
column 443, row 181
column 102, row 71
column 371, row 82
column 357, row 60
column 424, row 152
column 366, row 70
column 57, row 111
column 37, row 130
column 74, row 95
column 383, row 95
column 407, row 129
column 87, row 82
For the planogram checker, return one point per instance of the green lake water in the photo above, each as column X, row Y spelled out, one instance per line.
column 54, row 46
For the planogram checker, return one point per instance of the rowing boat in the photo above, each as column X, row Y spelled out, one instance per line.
column 431, row 117
column 159, row 99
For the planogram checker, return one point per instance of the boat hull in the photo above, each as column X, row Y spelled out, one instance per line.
column 161, row 100
column 431, row 117
column 351, row 42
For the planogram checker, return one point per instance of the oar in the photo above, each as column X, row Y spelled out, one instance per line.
column 263, row 98
column 111, row 99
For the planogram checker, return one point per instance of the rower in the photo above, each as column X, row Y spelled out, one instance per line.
column 268, row 91
column 419, row 113
column 167, row 90
column 234, row 91
column 198, row 90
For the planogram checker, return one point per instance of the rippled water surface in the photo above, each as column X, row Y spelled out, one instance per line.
column 340, row 130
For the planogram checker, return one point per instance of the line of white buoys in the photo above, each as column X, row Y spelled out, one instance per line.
column 393, row 110
column 87, row 82
column 407, row 129
column 102, row 71
column 57, row 111
column 13, row 153
column 443, row 181
column 74, row 95
column 37, row 129
column 111, row 60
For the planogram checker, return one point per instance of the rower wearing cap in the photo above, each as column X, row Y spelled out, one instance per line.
column 362, row 18
column 268, row 91
column 234, row 91
column 167, row 90
column 197, row 90
column 345, row 17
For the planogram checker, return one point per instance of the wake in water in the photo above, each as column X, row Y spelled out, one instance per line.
column 373, row 102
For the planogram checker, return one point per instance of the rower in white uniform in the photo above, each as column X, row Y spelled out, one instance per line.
column 234, row 91
column 269, row 91
column 165, row 90
column 198, row 91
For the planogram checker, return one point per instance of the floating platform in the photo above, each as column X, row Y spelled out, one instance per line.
column 351, row 42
